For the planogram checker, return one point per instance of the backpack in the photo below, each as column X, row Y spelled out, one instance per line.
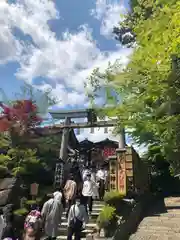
column 33, row 220
column 75, row 223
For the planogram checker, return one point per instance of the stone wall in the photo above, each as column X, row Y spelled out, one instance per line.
column 10, row 191
column 130, row 224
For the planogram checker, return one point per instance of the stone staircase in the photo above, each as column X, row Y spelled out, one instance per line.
column 162, row 223
column 97, row 206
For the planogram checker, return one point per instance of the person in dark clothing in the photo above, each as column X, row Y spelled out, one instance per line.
column 77, row 218
column 75, row 172
column 101, row 188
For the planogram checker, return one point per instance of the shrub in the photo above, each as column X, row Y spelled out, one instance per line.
column 38, row 200
column 106, row 216
column 107, row 219
column 113, row 198
column 31, row 202
column 3, row 171
column 21, row 212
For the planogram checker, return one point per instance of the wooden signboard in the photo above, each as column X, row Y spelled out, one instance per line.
column 34, row 189
column 122, row 181
column 113, row 173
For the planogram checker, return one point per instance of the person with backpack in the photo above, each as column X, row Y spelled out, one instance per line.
column 77, row 218
column 51, row 215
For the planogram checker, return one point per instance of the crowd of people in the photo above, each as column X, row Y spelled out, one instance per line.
column 76, row 197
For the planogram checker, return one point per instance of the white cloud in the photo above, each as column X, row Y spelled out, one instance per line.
column 66, row 61
column 110, row 14
column 10, row 48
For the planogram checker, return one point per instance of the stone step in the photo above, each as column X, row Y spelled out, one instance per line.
column 65, row 237
column 91, row 220
column 171, row 224
column 94, row 214
column 156, row 229
column 145, row 236
column 160, row 218
column 97, row 208
column 98, row 202
column 88, row 225
column 63, row 231
column 171, row 211
column 157, row 233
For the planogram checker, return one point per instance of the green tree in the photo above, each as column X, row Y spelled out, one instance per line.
column 149, row 87
column 18, row 155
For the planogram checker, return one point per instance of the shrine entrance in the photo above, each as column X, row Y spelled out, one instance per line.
column 75, row 120
column 127, row 172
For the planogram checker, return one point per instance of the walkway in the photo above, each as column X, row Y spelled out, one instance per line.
column 97, row 206
column 162, row 222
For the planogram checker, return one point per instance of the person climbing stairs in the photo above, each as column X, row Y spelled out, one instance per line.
column 90, row 227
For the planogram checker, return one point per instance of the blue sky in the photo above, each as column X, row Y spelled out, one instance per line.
column 56, row 45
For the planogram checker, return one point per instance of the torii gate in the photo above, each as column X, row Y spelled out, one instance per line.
column 90, row 115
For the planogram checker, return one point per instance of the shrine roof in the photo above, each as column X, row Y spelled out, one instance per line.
column 107, row 142
column 86, row 144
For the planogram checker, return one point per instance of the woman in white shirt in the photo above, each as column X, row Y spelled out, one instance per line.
column 88, row 192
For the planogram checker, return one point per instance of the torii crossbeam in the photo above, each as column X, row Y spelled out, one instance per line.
column 90, row 115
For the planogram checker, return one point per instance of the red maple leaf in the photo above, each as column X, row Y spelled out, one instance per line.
column 23, row 114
